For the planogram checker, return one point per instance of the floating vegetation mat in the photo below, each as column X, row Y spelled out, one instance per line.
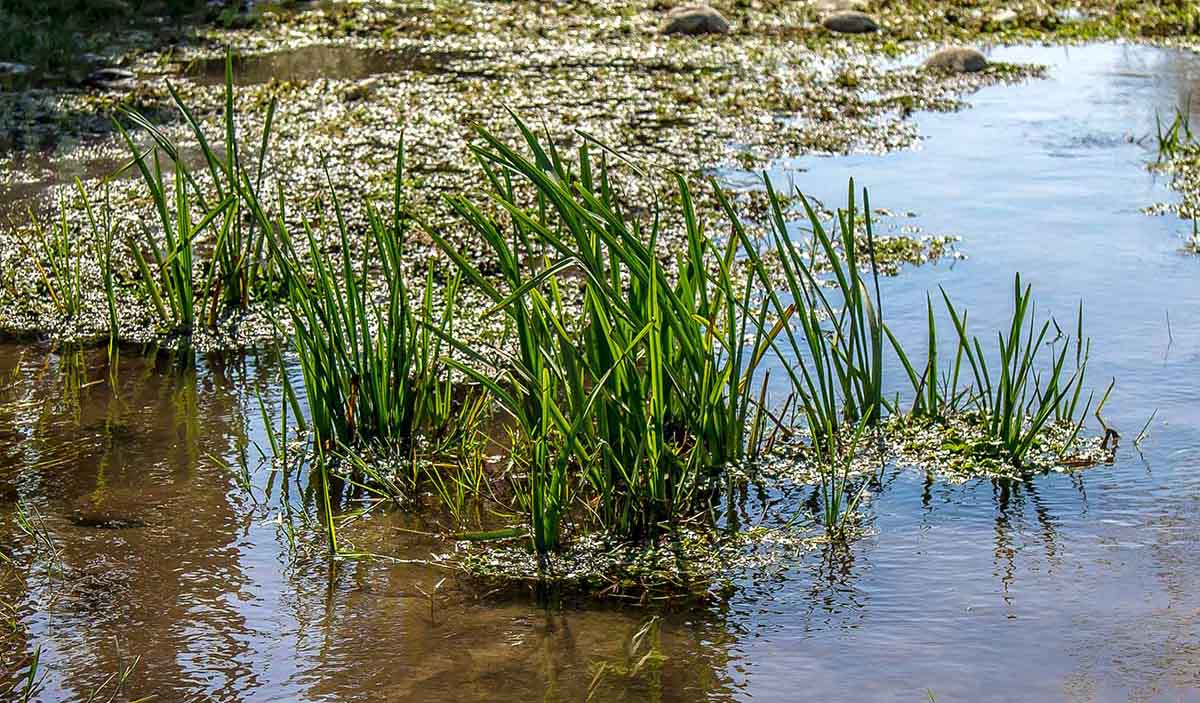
column 696, row 562
column 349, row 79
column 689, row 564
column 954, row 449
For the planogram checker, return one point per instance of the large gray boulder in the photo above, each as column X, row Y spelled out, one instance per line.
column 850, row 22
column 694, row 20
column 957, row 59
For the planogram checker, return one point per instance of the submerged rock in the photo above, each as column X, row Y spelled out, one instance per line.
column 9, row 68
column 694, row 20
column 957, row 59
column 109, row 77
column 120, row 508
column 850, row 22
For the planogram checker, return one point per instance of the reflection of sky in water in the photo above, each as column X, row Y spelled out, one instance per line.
column 1067, row 587
column 1077, row 588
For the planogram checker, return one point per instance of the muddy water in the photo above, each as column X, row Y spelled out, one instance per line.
column 1063, row 587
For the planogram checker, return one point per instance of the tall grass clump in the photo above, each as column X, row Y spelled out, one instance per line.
column 629, row 386
column 240, row 265
column 167, row 273
column 1016, row 398
column 371, row 362
column 839, row 497
column 57, row 254
column 1013, row 393
column 833, row 353
column 1173, row 137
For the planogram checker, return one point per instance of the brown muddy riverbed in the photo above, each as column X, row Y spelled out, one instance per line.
column 1069, row 586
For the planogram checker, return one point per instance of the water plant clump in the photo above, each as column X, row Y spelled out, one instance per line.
column 240, row 265
column 642, row 394
column 373, row 369
column 630, row 373
column 1177, row 153
column 204, row 272
column 829, row 335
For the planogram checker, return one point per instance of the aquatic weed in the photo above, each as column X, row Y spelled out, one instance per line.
column 241, row 261
column 371, row 371
column 645, row 391
column 835, row 361
column 1015, row 400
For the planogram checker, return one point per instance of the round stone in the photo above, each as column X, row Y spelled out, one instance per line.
column 695, row 20
column 850, row 22
column 957, row 59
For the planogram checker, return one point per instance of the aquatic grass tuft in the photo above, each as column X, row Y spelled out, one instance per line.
column 634, row 399
column 631, row 384
column 835, row 360
column 57, row 254
column 104, row 236
column 1015, row 400
column 372, row 368
column 241, row 262
column 839, row 497
column 1017, row 397
column 167, row 272
column 1175, row 137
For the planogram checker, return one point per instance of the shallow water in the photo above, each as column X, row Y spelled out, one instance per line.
column 308, row 63
column 1075, row 587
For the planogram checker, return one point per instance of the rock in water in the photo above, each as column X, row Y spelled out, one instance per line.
column 121, row 508
column 850, row 22
column 109, row 78
column 957, row 59
column 8, row 68
column 694, row 20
